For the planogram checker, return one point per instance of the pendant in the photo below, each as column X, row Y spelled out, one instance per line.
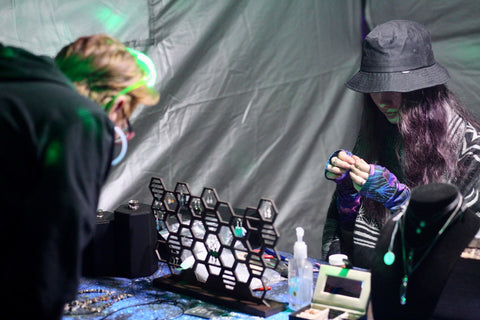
column 403, row 290
column 389, row 258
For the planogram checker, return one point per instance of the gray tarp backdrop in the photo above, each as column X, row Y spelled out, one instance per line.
column 253, row 100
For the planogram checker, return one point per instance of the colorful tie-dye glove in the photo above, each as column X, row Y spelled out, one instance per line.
column 384, row 187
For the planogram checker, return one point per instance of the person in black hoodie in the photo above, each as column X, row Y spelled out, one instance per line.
column 56, row 151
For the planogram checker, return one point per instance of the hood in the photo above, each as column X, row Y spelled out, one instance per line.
column 17, row 64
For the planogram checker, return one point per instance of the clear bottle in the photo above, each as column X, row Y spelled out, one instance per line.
column 300, row 275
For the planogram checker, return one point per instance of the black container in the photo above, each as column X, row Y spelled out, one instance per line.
column 124, row 243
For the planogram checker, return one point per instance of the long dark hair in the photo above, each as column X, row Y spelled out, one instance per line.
column 420, row 148
column 430, row 152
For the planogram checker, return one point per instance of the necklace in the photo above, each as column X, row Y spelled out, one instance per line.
column 82, row 306
column 408, row 266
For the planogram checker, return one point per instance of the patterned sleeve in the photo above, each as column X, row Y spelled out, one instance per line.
column 469, row 162
column 341, row 214
column 339, row 225
column 347, row 197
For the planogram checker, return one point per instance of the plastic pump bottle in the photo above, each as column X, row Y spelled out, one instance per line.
column 300, row 275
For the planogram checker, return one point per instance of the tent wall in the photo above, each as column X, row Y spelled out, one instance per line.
column 455, row 31
column 253, row 100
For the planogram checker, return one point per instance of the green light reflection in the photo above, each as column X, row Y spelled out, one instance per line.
column 111, row 20
column 53, row 153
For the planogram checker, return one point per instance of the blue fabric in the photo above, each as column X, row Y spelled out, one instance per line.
column 148, row 302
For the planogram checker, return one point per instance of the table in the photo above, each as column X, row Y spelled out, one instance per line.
column 122, row 298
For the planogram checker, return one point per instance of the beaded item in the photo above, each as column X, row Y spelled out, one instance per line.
column 95, row 304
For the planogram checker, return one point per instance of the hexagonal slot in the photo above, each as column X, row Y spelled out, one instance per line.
column 211, row 221
column 171, row 221
column 159, row 213
column 224, row 212
column 170, row 201
column 157, row 187
column 174, row 244
column 254, row 240
column 175, row 259
column 186, row 237
column 174, row 263
column 201, row 272
column 241, row 272
column 157, row 205
column 227, row 258
column 200, row 251
column 186, row 254
column 196, row 207
column 229, row 280
column 214, row 249
column 255, row 265
column 226, row 236
column 185, row 216
column 239, row 227
column 255, row 283
column 267, row 210
column 161, row 250
column 269, row 235
column 183, row 193
column 215, row 270
column 272, row 263
column 210, row 198
column 240, row 251
column 198, row 229
column 161, row 228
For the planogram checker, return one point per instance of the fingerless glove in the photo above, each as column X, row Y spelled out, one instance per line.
column 384, row 187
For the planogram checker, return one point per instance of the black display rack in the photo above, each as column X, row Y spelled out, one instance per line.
column 215, row 253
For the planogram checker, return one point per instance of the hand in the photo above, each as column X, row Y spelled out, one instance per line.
column 339, row 165
column 359, row 172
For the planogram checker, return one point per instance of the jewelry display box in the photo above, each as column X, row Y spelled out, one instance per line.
column 340, row 293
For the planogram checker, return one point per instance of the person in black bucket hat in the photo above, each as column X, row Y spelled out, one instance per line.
column 413, row 131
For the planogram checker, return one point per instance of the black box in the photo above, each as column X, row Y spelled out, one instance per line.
column 99, row 257
column 135, row 240
column 123, row 244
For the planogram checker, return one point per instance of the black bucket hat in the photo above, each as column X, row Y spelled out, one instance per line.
column 397, row 56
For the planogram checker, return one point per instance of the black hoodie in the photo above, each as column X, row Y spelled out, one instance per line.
column 55, row 153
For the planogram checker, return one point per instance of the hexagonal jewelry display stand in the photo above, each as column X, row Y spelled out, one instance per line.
column 215, row 253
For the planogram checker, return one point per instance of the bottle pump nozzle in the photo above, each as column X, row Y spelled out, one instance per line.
column 300, row 248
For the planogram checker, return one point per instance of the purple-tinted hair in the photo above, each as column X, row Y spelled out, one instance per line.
column 429, row 150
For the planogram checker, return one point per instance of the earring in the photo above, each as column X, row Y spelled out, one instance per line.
column 240, row 231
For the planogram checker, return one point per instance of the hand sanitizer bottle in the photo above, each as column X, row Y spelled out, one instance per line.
column 300, row 275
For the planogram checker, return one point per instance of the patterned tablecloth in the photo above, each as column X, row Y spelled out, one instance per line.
column 121, row 298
